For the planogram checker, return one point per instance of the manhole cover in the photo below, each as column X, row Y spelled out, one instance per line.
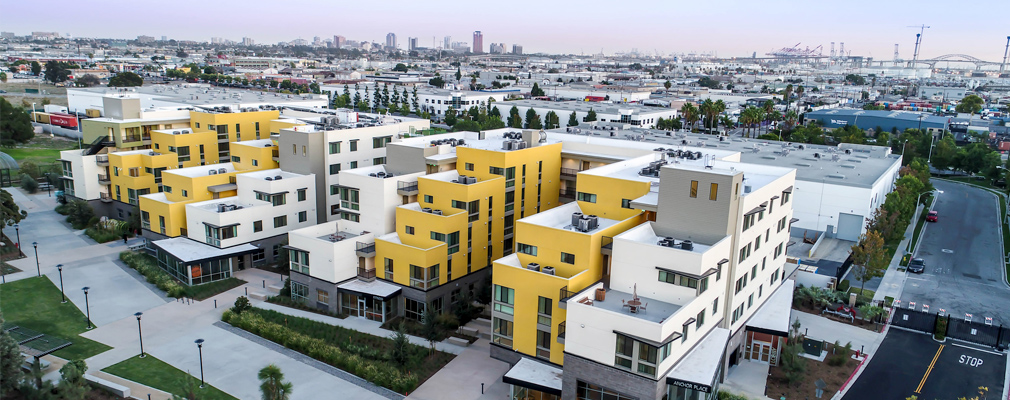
column 948, row 251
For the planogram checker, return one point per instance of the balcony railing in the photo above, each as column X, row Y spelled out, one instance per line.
column 105, row 197
column 569, row 172
column 561, row 332
column 607, row 245
column 102, row 160
column 103, row 179
column 365, row 249
column 366, row 273
column 565, row 293
column 567, row 195
column 132, row 138
column 406, row 188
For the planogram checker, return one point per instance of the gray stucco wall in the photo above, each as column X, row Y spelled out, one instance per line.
column 581, row 369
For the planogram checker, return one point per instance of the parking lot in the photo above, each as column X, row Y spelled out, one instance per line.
column 913, row 364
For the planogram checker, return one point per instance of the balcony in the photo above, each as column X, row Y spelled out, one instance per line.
column 406, row 188
column 366, row 250
column 102, row 161
column 607, row 245
column 567, row 196
column 564, row 295
column 366, row 274
column 103, row 179
column 106, row 198
column 569, row 173
column 132, row 138
column 561, row 332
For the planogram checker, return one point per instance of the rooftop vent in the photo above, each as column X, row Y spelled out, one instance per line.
column 212, row 172
column 533, row 267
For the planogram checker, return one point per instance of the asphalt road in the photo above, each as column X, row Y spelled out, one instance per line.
column 909, row 363
column 964, row 269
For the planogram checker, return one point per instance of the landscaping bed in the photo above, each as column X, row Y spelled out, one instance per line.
column 401, row 368
column 834, row 375
column 34, row 303
column 148, row 266
column 155, row 373
column 286, row 301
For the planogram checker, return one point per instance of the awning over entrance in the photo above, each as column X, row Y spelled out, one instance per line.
column 773, row 317
column 377, row 288
column 697, row 370
column 190, row 251
column 535, row 375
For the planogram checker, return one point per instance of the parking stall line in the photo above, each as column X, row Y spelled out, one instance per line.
column 928, row 370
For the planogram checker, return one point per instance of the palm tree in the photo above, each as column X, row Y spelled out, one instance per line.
column 799, row 95
column 719, row 107
column 788, row 92
column 690, row 114
column 273, row 386
column 706, row 109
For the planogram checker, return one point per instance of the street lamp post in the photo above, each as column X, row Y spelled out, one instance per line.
column 18, row 231
column 140, row 333
column 199, row 346
column 59, row 267
column 87, row 307
column 38, row 268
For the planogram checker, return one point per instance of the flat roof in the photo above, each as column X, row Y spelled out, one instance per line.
column 535, row 375
column 202, row 170
column 202, row 95
column 583, row 106
column 560, row 217
column 256, row 143
column 645, row 233
column 374, row 288
column 188, row 250
column 654, row 310
column 773, row 316
column 698, row 367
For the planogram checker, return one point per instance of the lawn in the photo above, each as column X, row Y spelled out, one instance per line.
column 155, row 373
column 34, row 303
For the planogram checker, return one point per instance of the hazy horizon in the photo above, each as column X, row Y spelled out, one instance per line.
column 729, row 28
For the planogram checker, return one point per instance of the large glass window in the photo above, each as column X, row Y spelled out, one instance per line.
column 502, row 329
column 424, row 278
column 526, row 249
column 544, row 344
column 334, row 147
column 299, row 292
column 299, row 260
column 587, row 197
column 349, row 198
column 545, row 309
column 413, row 309
column 588, row 391
column 504, row 299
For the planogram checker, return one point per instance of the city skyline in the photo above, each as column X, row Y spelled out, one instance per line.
column 867, row 28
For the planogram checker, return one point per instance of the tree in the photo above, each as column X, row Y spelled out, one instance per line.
column 459, row 74
column 400, row 67
column 855, row 79
column 431, row 330
column 3, row 77
column 551, row 120
column 272, row 384
column 36, row 68
column 667, row 85
column 971, row 104
column 15, row 124
column 437, row 81
column 869, row 258
column 450, row 116
column 467, row 125
column 10, row 359
column 29, row 184
column 126, row 79
column 533, row 120
column 399, row 352
column 573, row 120
column 514, row 120
column 690, row 114
column 536, row 91
column 72, row 386
column 944, row 153
column 241, row 305
column 57, row 71
column 88, row 80
column 591, row 115
column 189, row 387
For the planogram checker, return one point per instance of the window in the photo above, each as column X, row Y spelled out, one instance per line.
column 586, row 391
column 349, row 198
column 761, row 291
column 424, row 278
column 378, row 160
column 414, row 310
column 782, row 224
column 280, row 221
column 750, row 300
column 771, row 206
column 648, row 356
column 504, row 299
column 354, row 164
column 753, row 272
column 303, row 216
column 637, row 356
column 185, row 193
column 624, row 352
column 334, row 169
column 713, row 192
column 757, row 242
column 502, row 329
column 468, row 166
column 350, row 217
column 775, row 276
column 429, row 198
column 586, row 197
column 715, row 306
column 544, row 311
column 354, row 145
column 388, row 268
column 679, row 280
column 380, row 142
column 703, row 285
column 409, row 229
column 278, row 199
column 626, row 203
column 778, row 251
column 526, row 249
column 299, row 292
column 236, row 159
column 451, row 240
column 301, row 194
column 694, row 189
column 216, row 234
column 543, row 344
column 458, row 204
column 748, row 221
column 684, row 330
column 322, row 296
column 304, row 151
column 567, row 258
column 785, row 198
column 299, row 260
column 255, row 163
column 257, row 226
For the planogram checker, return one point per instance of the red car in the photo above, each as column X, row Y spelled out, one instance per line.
column 932, row 216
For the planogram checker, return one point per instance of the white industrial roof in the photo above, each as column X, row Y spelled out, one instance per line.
column 539, row 375
column 773, row 316
column 188, row 250
column 700, row 365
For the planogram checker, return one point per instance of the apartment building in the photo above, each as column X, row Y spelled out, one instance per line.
column 449, row 225
column 648, row 285
column 236, row 232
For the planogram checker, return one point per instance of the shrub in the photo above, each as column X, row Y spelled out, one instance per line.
column 940, row 333
column 79, row 214
column 400, row 352
column 29, row 184
column 241, row 305
column 148, row 266
column 724, row 395
column 843, row 286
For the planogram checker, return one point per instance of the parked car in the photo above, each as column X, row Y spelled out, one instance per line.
column 916, row 265
column 932, row 216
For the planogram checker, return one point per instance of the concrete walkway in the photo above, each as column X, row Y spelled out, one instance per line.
column 821, row 328
column 465, row 376
column 894, row 281
column 749, row 378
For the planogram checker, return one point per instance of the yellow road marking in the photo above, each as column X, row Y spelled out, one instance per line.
column 928, row 370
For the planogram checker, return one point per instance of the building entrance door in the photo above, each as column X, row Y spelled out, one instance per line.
column 361, row 306
column 760, row 351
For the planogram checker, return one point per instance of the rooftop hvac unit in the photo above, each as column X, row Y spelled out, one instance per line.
column 380, row 174
column 747, row 188
column 594, row 222
column 547, row 270
column 506, row 145
column 848, row 151
column 575, row 218
column 461, row 142
column 221, row 170
column 436, row 212
column 151, row 153
column 533, row 267
column 461, row 179
column 374, row 175
column 471, row 179
column 687, row 245
column 212, row 172
column 426, row 209
column 221, row 208
column 583, row 224
column 278, row 177
column 661, row 242
column 269, row 178
column 817, row 155
column 801, row 147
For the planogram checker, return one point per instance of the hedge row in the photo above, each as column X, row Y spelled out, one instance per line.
column 148, row 266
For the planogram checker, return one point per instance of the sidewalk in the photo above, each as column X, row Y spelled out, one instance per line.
column 894, row 281
column 462, row 378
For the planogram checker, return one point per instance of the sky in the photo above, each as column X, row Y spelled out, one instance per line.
column 728, row 27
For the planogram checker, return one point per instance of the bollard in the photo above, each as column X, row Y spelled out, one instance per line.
column 215, row 303
column 264, row 283
column 482, row 388
column 247, row 291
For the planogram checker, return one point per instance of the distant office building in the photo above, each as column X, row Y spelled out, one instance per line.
column 478, row 42
column 497, row 48
column 317, row 41
column 412, row 44
column 460, row 47
column 248, row 41
column 216, row 40
column 164, row 38
column 447, row 42
column 391, row 40
column 10, row 35
column 339, row 41
column 145, row 39
column 517, row 49
column 45, row 35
